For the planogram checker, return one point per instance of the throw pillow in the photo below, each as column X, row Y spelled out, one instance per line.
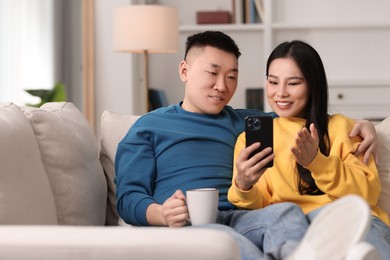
column 383, row 132
column 25, row 193
column 113, row 129
column 70, row 155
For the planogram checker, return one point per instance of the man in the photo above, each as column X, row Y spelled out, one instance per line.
column 190, row 145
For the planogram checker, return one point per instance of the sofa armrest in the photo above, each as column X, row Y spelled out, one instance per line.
column 86, row 242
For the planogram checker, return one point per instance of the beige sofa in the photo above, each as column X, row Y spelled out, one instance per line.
column 57, row 198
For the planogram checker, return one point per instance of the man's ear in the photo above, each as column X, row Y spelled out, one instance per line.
column 183, row 69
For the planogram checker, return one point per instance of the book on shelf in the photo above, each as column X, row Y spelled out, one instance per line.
column 248, row 11
column 157, row 99
column 252, row 11
column 237, row 7
column 213, row 17
column 234, row 12
column 260, row 10
column 255, row 98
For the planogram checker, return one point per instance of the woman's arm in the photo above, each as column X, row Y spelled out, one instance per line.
column 342, row 172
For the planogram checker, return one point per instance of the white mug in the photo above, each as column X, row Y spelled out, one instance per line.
column 202, row 205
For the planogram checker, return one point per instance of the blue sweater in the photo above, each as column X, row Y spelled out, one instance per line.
column 169, row 149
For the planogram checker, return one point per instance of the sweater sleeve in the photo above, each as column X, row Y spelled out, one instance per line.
column 342, row 172
column 251, row 199
column 134, row 167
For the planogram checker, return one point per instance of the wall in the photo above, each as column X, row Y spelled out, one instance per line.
column 119, row 86
column 114, row 78
column 351, row 36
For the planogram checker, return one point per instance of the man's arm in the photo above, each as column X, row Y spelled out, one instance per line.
column 134, row 169
column 366, row 130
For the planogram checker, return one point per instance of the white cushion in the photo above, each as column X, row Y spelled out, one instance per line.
column 146, row 243
column 25, row 193
column 70, row 155
column 383, row 132
column 113, row 129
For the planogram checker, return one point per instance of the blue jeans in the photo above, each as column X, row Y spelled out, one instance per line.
column 378, row 235
column 275, row 230
column 248, row 250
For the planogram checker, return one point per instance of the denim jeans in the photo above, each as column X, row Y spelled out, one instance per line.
column 248, row 250
column 276, row 229
column 378, row 235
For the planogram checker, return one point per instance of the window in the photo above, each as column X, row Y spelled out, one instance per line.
column 27, row 48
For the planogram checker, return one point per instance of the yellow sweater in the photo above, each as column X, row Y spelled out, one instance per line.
column 338, row 174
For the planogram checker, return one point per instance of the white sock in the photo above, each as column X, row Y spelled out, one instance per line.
column 335, row 231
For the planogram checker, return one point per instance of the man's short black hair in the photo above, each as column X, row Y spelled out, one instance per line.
column 214, row 39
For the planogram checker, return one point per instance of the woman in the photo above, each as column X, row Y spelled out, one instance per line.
column 314, row 161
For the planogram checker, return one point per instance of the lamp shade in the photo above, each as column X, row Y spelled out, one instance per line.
column 151, row 28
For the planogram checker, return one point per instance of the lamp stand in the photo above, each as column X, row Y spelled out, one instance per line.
column 135, row 31
column 146, row 78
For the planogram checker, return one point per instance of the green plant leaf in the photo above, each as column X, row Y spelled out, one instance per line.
column 42, row 93
column 57, row 94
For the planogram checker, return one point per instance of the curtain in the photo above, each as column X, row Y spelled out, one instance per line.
column 27, row 49
column 43, row 42
column 69, row 39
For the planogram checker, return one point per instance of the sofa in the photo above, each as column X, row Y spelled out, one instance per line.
column 57, row 194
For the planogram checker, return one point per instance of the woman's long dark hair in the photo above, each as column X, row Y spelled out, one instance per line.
column 316, row 110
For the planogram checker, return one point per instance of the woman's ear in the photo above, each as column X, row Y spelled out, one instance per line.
column 183, row 69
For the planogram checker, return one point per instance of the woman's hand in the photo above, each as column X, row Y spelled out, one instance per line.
column 250, row 170
column 306, row 145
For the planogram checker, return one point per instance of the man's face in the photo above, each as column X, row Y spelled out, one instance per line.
column 211, row 77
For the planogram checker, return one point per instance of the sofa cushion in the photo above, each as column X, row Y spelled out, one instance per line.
column 383, row 132
column 113, row 129
column 145, row 243
column 25, row 193
column 70, row 156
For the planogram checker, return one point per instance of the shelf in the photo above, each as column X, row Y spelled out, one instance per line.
column 222, row 27
column 359, row 84
column 351, row 36
column 282, row 26
column 325, row 26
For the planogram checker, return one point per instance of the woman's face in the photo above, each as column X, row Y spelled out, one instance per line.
column 286, row 88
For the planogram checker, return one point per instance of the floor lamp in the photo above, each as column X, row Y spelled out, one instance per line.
column 146, row 29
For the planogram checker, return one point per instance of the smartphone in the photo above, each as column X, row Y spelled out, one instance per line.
column 260, row 129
